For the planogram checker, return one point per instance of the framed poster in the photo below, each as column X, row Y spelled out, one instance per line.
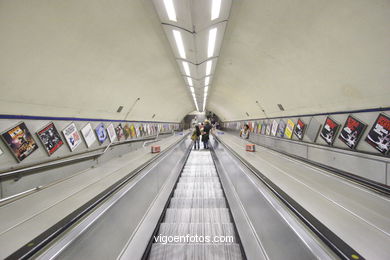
column 133, row 131
column 268, row 130
column 72, row 136
column 281, row 128
column 379, row 135
column 119, row 132
column 300, row 128
column 101, row 133
column 50, row 138
column 88, row 134
column 352, row 132
column 126, row 131
column 1, row 152
column 329, row 130
column 20, row 141
column 264, row 128
column 111, row 133
column 259, row 126
column 274, row 127
column 289, row 129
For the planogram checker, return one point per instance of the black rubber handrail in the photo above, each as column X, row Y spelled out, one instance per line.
column 335, row 243
column 66, row 160
column 367, row 183
column 39, row 242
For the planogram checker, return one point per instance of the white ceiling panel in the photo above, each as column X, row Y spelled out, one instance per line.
column 202, row 40
column 182, row 10
column 202, row 13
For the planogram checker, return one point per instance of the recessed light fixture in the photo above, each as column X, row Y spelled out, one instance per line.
column 179, row 43
column 170, row 10
column 281, row 107
column 209, row 64
column 206, row 89
column 192, row 90
column 190, row 82
column 211, row 45
column 207, row 81
column 186, row 68
column 215, row 9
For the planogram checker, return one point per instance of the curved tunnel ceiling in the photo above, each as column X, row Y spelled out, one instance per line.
column 309, row 56
column 87, row 58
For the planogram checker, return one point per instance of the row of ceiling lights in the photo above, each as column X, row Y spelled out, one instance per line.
column 215, row 11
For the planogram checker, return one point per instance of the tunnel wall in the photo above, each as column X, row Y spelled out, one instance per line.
column 364, row 161
column 21, row 182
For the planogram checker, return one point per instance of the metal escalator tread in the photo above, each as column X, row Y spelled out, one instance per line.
column 198, row 208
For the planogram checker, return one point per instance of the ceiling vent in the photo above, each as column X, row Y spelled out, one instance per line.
column 281, row 107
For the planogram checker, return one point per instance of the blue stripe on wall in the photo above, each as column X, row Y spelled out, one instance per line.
column 381, row 109
column 75, row 119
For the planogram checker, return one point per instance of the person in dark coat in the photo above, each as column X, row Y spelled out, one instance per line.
column 206, row 134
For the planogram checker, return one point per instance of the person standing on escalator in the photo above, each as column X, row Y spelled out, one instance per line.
column 196, row 136
column 206, row 134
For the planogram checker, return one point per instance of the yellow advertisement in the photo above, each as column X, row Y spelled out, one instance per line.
column 289, row 129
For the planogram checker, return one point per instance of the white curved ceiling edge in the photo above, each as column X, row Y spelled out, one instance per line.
column 191, row 21
column 310, row 56
column 85, row 59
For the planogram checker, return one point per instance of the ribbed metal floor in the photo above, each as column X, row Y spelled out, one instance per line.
column 197, row 210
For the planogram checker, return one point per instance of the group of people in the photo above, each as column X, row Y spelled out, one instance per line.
column 201, row 133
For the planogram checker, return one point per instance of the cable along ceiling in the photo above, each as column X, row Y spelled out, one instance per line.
column 195, row 30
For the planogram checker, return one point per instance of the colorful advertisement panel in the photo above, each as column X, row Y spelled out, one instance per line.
column 299, row 130
column 119, row 132
column 20, row 141
column 111, row 133
column 329, row 130
column 50, row 138
column 379, row 135
column 288, row 133
column 101, row 133
column 351, row 132
column 281, row 128
column 88, row 134
column 127, row 131
column 274, row 128
column 72, row 136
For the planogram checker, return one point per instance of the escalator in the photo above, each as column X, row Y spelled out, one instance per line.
column 197, row 223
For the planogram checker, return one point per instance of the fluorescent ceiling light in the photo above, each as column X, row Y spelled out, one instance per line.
column 190, row 82
column 186, row 68
column 207, row 81
column 179, row 43
column 211, row 45
column 171, row 10
column 215, row 9
column 206, row 89
column 209, row 64
column 192, row 89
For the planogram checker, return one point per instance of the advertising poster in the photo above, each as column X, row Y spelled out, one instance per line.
column 111, row 133
column 329, row 130
column 259, row 126
column 264, row 128
column 119, row 132
column 88, row 135
column 289, row 129
column 352, row 132
column 268, row 130
column 72, row 136
column 20, row 141
column 1, row 152
column 281, row 128
column 127, row 131
column 379, row 135
column 133, row 132
column 101, row 133
column 299, row 130
column 50, row 138
column 274, row 128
